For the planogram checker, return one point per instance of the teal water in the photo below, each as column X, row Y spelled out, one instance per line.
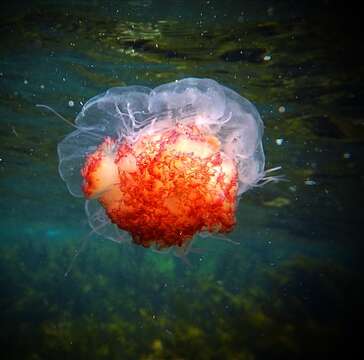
column 290, row 290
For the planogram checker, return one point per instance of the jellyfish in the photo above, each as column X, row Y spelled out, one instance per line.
column 159, row 166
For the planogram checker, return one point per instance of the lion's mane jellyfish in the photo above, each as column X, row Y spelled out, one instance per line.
column 159, row 166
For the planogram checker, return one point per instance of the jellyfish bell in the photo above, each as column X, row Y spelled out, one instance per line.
column 159, row 166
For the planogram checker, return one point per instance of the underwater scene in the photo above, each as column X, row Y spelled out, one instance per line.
column 180, row 179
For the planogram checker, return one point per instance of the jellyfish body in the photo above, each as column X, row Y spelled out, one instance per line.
column 158, row 166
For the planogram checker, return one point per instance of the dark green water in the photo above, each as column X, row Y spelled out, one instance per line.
column 290, row 290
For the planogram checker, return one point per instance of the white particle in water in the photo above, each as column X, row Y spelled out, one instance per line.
column 71, row 103
column 267, row 58
column 347, row 156
column 25, row 82
column 42, row 86
column 281, row 109
column 270, row 11
column 310, row 182
column 279, row 141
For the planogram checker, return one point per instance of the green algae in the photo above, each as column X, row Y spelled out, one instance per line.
column 233, row 317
